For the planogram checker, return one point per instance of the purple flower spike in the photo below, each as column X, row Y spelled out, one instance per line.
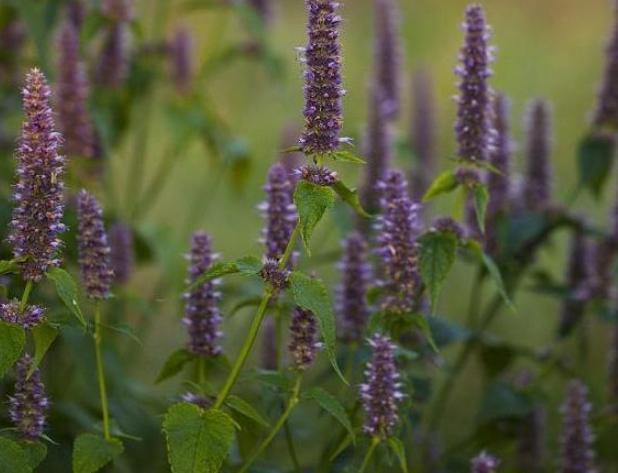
column 318, row 175
column 473, row 127
column 38, row 194
column 202, row 316
column 304, row 345
column 398, row 227
column 537, row 185
column 606, row 113
column 94, row 250
column 381, row 392
column 269, row 345
column 118, row 10
column 72, row 96
column 577, row 454
column 387, row 54
column 531, row 444
column 181, row 60
column 500, row 159
column 352, row 305
column 484, row 463
column 76, row 13
column 113, row 64
column 29, row 405
column 422, row 136
column 263, row 9
column 323, row 83
column 122, row 255
column 29, row 318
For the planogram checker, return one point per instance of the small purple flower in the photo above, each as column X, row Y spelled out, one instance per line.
column 473, row 127
column 277, row 278
column 94, row 250
column 387, row 54
column 202, row 316
column 352, row 305
column 122, row 255
column 318, row 175
column 606, row 113
column 198, row 399
column 181, row 60
column 39, row 192
column 30, row 317
column 448, row 225
column 29, row 405
column 381, row 392
column 113, row 64
column 323, row 83
column 537, row 185
column 304, row 343
column 577, row 454
column 72, row 96
column 484, row 463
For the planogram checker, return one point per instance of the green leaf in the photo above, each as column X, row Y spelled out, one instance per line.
column 595, row 157
column 311, row 294
column 67, row 291
column 331, row 405
column 494, row 272
column 481, row 198
column 35, row 451
column 247, row 265
column 502, row 401
column 350, row 197
column 14, row 458
column 12, row 341
column 348, row 157
column 92, row 452
column 444, row 183
column 174, row 364
column 198, row 441
column 43, row 335
column 436, row 257
column 243, row 407
column 312, row 202
column 400, row 452
column 9, row 266
column 421, row 322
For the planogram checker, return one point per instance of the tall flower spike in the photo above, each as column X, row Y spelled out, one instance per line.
column 537, row 185
column 323, row 82
column 387, row 54
column 94, row 250
column 29, row 405
column 381, row 392
column 484, row 463
column 72, row 96
column 423, row 134
column 118, row 10
column 577, row 454
column 202, row 316
column 122, row 256
column 113, row 64
column 398, row 228
column 181, row 59
column 304, row 343
column 352, row 305
column 606, row 113
column 76, row 13
column 38, row 194
column 531, row 442
column 473, row 127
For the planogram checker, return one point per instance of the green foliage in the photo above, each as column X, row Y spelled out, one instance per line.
column 43, row 336
column 595, row 158
column 35, row 451
column 347, row 156
column 92, row 452
column 399, row 450
column 243, row 407
column 350, row 197
column 9, row 266
column 330, row 404
column 436, row 257
column 198, row 441
column 496, row 276
column 443, row 184
column 481, row 199
column 12, row 341
column 247, row 266
column 312, row 202
column 14, row 458
column 174, row 364
column 501, row 401
column 67, row 291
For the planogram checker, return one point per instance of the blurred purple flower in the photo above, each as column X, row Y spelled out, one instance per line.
column 113, row 64
column 122, row 254
column 181, row 60
column 76, row 13
column 423, row 134
column 498, row 183
column 30, row 317
column 263, row 8
column 198, row 399
column 118, row 10
column 537, row 184
column 606, row 113
column 387, row 54
column 484, row 463
column 304, row 343
column 318, row 175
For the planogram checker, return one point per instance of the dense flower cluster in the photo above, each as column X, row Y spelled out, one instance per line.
column 387, row 54
column 422, row 135
column 277, row 278
column 122, row 255
column 29, row 317
column 537, row 183
column 318, row 175
column 484, row 463
column 304, row 343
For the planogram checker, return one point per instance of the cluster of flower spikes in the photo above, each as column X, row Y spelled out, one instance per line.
column 28, row 317
column 202, row 316
column 29, row 405
column 323, row 82
column 381, row 392
column 39, row 192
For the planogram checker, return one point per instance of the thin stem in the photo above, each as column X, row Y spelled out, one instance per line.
column 294, row 398
column 25, row 296
column 200, row 368
column 100, row 369
column 291, row 449
column 475, row 299
column 374, row 443
column 290, row 248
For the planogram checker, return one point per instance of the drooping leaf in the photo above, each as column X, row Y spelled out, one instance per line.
column 481, row 198
column 436, row 257
column 496, row 276
column 43, row 335
column 247, row 265
column 243, row 407
column 595, row 157
column 311, row 294
column 198, row 441
column 348, row 157
column 350, row 197
column 92, row 452
column 421, row 322
column 399, row 450
column 444, row 183
column 67, row 291
column 312, row 202
column 35, row 451
column 330, row 404
column 13, row 457
column 174, row 364
column 12, row 341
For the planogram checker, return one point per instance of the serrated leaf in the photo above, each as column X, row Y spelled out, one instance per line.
column 496, row 276
column 247, row 265
column 444, row 183
column 436, row 257
column 14, row 458
column 481, row 198
column 35, row 451
column 421, row 322
column 350, row 197
column 12, row 341
column 311, row 294
column 347, row 157
column 92, row 452
column 312, row 202
column 67, row 291
column 331, row 405
column 400, row 452
column 243, row 407
column 198, row 441
column 174, row 364
column 595, row 157
column 43, row 335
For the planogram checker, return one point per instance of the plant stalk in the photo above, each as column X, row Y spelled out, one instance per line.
column 375, row 441
column 25, row 296
column 100, row 370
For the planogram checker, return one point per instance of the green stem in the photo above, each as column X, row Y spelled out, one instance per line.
column 290, row 248
column 200, row 371
column 291, row 449
column 100, row 369
column 374, row 443
column 25, row 296
column 294, row 398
